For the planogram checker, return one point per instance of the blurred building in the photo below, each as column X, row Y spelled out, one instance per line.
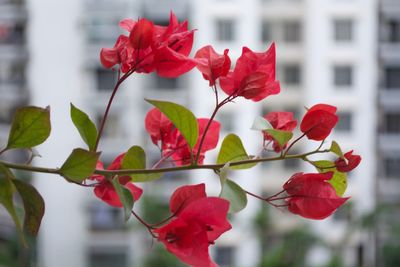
column 324, row 55
column 388, row 149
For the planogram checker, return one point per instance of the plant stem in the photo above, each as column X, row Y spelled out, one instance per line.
column 292, row 144
column 161, row 170
column 104, row 119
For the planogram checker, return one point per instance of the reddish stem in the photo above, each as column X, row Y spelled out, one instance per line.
column 145, row 224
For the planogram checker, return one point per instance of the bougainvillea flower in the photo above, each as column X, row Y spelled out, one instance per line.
column 283, row 121
column 141, row 35
column 180, row 150
column 105, row 189
column 199, row 223
column 149, row 47
column 253, row 76
column 348, row 163
column 311, row 196
column 211, row 64
column 184, row 195
column 319, row 121
column 157, row 125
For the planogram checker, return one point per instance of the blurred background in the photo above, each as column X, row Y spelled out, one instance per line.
column 342, row 52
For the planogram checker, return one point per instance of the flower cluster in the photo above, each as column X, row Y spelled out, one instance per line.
column 198, row 220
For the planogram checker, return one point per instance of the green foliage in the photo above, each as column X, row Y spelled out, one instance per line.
column 335, row 148
column 85, row 126
column 261, row 124
column 159, row 257
column 33, row 206
column 181, row 117
column 236, row 196
column 154, row 209
column 282, row 137
column 232, row 150
column 7, row 190
column 135, row 158
column 339, row 182
column 79, row 165
column 30, row 127
column 125, row 197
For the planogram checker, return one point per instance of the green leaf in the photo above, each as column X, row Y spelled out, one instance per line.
column 335, row 148
column 30, row 127
column 33, row 206
column 324, row 166
column 7, row 190
column 260, row 124
column 232, row 150
column 79, row 165
column 125, row 196
column 135, row 158
column 182, row 118
column 234, row 194
column 85, row 126
column 282, row 137
column 339, row 182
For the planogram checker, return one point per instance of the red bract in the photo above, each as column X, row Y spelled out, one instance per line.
column 105, row 189
column 184, row 195
column 283, row 121
column 200, row 222
column 158, row 125
column 253, row 76
column 179, row 150
column 346, row 166
column 151, row 48
column 311, row 196
column 319, row 121
column 211, row 64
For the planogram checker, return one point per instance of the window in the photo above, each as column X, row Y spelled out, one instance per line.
column 343, row 30
column 105, row 79
column 111, row 256
column 291, row 31
column 225, row 30
column 392, row 166
column 112, row 128
column 104, row 217
column 393, row 27
column 345, row 122
column 292, row 74
column 266, row 31
column 392, row 77
column 343, row 76
column 224, row 256
column 165, row 83
column 392, row 123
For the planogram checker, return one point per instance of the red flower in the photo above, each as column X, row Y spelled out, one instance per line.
column 201, row 221
column 158, row 125
column 283, row 121
column 105, row 189
column 173, row 144
column 352, row 162
column 151, row 48
column 180, row 151
column 253, row 76
column 311, row 196
column 319, row 121
column 211, row 64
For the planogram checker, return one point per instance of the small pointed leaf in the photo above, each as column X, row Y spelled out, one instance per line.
column 181, row 117
column 232, row 150
column 135, row 158
column 7, row 190
column 234, row 194
column 33, row 206
column 260, row 124
column 85, row 126
column 282, row 137
column 339, row 182
column 79, row 165
column 30, row 127
column 324, row 166
column 335, row 148
column 125, row 196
